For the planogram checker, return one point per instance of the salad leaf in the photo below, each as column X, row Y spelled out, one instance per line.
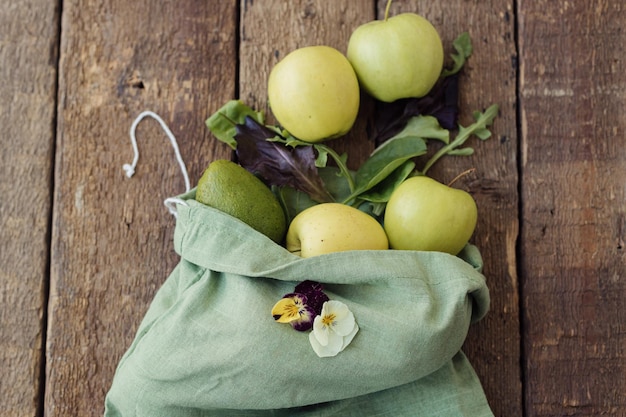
column 479, row 128
column 335, row 182
column 277, row 163
column 441, row 103
column 383, row 162
column 463, row 46
column 383, row 190
column 340, row 160
column 374, row 201
column 467, row 151
column 426, row 127
column 294, row 201
column 223, row 122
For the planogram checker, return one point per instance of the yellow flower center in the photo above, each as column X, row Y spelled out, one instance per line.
column 328, row 319
column 292, row 311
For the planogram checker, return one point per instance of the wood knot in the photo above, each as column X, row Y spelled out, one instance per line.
column 309, row 11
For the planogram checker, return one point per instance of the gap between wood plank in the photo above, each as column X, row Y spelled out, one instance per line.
column 520, row 206
column 56, row 56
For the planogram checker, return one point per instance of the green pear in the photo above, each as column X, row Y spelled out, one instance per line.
column 398, row 57
column 314, row 93
column 334, row 227
column 424, row 214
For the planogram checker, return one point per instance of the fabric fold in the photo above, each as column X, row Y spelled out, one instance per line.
column 208, row 345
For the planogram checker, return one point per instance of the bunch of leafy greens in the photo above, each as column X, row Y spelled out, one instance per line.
column 299, row 173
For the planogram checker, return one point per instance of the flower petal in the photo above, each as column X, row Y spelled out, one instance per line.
column 338, row 317
column 332, row 348
column 348, row 339
column 337, row 308
column 305, row 322
column 285, row 310
column 316, row 300
column 320, row 331
column 345, row 325
column 314, row 294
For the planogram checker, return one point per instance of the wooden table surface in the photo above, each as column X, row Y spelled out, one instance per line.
column 84, row 248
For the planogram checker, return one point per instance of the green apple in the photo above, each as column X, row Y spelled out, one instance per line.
column 314, row 93
column 334, row 227
column 398, row 57
column 424, row 214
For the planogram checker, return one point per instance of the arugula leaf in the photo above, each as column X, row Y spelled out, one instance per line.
column 322, row 157
column 467, row 151
column 463, row 46
column 381, row 192
column 223, row 122
column 341, row 160
column 277, row 163
column 383, row 162
column 426, row 127
column 479, row 128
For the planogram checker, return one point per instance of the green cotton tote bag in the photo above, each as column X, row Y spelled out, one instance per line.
column 209, row 346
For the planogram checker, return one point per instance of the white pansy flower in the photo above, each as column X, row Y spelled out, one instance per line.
column 333, row 329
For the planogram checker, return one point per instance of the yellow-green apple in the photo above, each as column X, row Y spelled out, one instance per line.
column 424, row 214
column 334, row 227
column 398, row 57
column 314, row 93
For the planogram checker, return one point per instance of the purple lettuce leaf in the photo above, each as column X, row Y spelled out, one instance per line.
column 441, row 102
column 277, row 163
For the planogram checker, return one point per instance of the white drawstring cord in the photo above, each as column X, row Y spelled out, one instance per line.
column 171, row 202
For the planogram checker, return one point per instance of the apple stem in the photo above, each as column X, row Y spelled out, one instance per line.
column 387, row 10
column 461, row 175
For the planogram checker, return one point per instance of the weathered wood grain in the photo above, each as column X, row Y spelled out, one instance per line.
column 112, row 237
column 572, row 89
column 28, row 53
column 489, row 76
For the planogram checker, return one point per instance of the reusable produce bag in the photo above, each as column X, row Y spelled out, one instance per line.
column 209, row 346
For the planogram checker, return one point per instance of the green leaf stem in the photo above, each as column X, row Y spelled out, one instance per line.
column 478, row 128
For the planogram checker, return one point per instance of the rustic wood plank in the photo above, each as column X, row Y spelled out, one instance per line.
column 493, row 345
column 572, row 88
column 28, row 52
column 112, row 237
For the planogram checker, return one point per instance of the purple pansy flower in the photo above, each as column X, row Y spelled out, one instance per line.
column 300, row 308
